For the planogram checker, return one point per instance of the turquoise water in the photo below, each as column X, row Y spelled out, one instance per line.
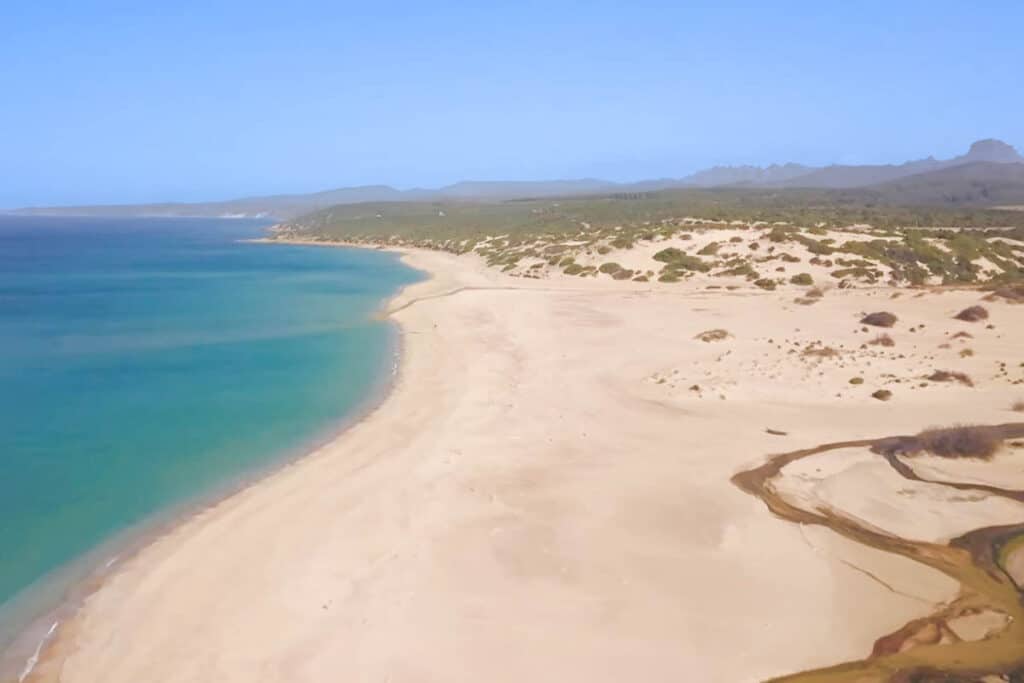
column 144, row 362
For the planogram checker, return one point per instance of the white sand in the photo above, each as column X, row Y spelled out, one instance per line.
column 531, row 503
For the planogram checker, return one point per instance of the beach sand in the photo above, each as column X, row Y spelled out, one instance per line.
column 545, row 495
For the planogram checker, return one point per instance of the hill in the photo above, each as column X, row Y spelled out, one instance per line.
column 721, row 176
column 975, row 187
column 982, row 183
column 837, row 177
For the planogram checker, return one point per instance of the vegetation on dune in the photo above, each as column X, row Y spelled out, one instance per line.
column 879, row 319
column 964, row 441
column 882, row 340
column 676, row 259
column 461, row 224
column 803, row 279
column 1012, row 294
column 972, row 314
column 950, row 376
column 858, row 241
column 713, row 335
column 454, row 220
column 817, row 351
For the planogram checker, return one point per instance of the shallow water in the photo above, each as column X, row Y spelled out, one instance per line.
column 145, row 362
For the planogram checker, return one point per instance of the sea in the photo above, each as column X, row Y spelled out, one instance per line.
column 148, row 365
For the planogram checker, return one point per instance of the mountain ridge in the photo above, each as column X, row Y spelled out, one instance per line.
column 996, row 156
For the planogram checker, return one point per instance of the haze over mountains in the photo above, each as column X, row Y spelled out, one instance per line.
column 991, row 173
column 840, row 177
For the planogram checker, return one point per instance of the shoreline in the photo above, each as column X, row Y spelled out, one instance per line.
column 72, row 584
column 490, row 495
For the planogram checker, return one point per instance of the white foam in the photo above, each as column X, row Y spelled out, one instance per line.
column 34, row 659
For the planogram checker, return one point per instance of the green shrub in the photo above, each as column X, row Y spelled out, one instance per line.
column 743, row 270
column 859, row 273
column 676, row 259
column 669, row 255
column 803, row 279
column 765, row 283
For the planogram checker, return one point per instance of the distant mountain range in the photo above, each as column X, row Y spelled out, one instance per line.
column 991, row 173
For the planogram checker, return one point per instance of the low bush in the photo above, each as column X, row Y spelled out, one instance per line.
column 950, row 376
column 679, row 260
column 743, row 270
column 669, row 254
column 972, row 314
column 713, row 335
column 765, row 283
column 880, row 319
column 963, row 441
column 1011, row 293
column 802, row 279
column 820, row 352
column 882, row 340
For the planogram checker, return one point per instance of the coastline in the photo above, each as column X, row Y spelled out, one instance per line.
column 489, row 495
column 63, row 591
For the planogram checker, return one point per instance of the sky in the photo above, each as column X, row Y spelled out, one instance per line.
column 104, row 102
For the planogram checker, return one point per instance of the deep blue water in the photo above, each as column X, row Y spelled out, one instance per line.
column 144, row 362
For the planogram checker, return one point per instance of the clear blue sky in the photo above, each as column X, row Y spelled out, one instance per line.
column 188, row 100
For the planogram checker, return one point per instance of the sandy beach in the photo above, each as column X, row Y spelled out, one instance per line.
column 546, row 495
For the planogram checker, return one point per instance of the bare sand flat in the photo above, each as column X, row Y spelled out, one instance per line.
column 546, row 496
